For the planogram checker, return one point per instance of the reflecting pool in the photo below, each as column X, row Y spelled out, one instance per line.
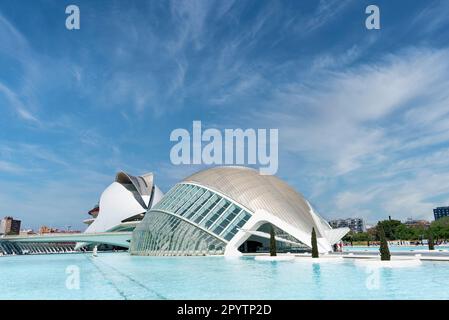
column 121, row 276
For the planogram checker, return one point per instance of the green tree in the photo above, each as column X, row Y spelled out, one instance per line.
column 390, row 228
column 361, row 236
column 314, row 245
column 440, row 228
column 417, row 232
column 272, row 242
column 372, row 232
column 404, row 232
column 384, row 251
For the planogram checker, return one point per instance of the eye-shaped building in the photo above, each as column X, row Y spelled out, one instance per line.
column 226, row 210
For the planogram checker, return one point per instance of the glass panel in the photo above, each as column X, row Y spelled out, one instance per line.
column 193, row 197
column 231, row 230
column 223, row 205
column 206, row 209
column 177, row 197
column 211, row 211
column 207, row 212
column 166, row 199
column 224, row 220
column 197, row 205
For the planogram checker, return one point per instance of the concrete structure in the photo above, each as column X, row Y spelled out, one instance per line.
column 19, row 248
column 354, row 224
column 440, row 212
column 216, row 211
column 120, row 239
column 9, row 226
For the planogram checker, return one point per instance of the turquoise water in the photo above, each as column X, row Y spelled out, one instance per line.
column 395, row 248
column 121, row 276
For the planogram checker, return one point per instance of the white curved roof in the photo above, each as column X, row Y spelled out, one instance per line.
column 143, row 184
column 261, row 192
column 126, row 197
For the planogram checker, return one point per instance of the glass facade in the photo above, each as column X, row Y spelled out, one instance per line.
column 189, row 220
column 167, row 235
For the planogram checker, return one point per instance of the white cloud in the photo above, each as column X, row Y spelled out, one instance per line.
column 9, row 167
column 367, row 130
column 352, row 114
column 348, row 201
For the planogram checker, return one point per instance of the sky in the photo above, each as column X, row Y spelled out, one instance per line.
column 362, row 114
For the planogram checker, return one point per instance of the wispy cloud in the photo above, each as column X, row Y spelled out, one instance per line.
column 14, row 45
column 13, row 42
column 433, row 17
column 343, row 111
column 325, row 11
column 17, row 105
column 190, row 18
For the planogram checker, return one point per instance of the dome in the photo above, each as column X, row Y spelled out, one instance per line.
column 259, row 192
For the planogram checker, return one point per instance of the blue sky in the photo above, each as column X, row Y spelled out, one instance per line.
column 362, row 114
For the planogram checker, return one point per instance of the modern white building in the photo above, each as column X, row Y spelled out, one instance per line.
column 225, row 210
column 123, row 204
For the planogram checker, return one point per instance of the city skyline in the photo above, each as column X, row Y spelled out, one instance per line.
column 362, row 114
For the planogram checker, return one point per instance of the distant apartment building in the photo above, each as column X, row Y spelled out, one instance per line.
column 355, row 224
column 45, row 229
column 26, row 232
column 417, row 223
column 9, row 226
column 440, row 212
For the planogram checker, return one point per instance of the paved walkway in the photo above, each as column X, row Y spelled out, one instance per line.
column 424, row 255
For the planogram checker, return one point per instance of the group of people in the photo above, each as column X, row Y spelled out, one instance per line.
column 338, row 247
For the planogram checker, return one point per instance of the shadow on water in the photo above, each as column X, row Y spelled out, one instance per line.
column 316, row 274
column 316, row 268
column 317, row 279
column 274, row 268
